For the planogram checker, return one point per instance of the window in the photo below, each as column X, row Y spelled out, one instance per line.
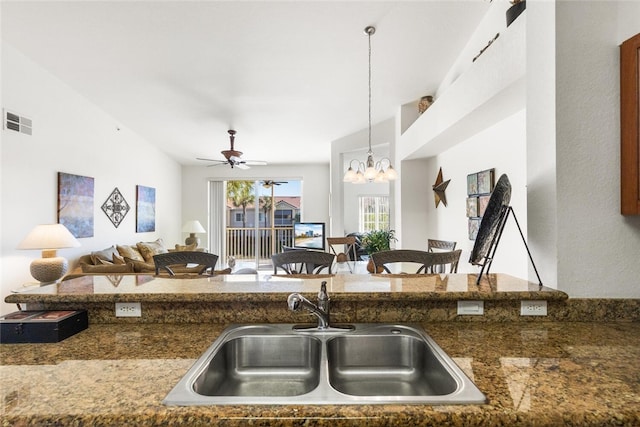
column 238, row 216
column 373, row 213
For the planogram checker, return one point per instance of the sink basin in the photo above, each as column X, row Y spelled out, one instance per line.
column 363, row 366
column 262, row 365
column 286, row 364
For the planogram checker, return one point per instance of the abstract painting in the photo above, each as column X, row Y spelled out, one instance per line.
column 75, row 203
column 145, row 209
column 116, row 207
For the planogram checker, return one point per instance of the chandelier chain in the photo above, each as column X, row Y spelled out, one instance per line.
column 369, row 37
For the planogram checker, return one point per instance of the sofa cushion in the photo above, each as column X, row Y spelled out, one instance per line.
column 108, row 269
column 149, row 249
column 117, row 259
column 131, row 252
column 105, row 254
column 141, row 266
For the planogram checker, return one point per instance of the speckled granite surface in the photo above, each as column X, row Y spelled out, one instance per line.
column 542, row 374
column 253, row 298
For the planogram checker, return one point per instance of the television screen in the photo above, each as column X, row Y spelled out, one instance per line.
column 308, row 235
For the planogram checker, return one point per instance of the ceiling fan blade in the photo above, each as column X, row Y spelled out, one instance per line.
column 255, row 162
column 242, row 165
column 209, row 160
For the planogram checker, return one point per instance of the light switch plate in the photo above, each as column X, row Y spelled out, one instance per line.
column 533, row 308
column 471, row 307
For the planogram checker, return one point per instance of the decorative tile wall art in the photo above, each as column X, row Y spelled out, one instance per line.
column 474, row 226
column 472, row 207
column 483, row 201
column 115, row 207
column 75, row 203
column 485, row 181
column 145, row 209
column 479, row 188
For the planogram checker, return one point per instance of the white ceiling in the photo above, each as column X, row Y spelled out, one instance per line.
column 289, row 76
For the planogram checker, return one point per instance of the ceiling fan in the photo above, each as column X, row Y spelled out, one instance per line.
column 269, row 183
column 233, row 156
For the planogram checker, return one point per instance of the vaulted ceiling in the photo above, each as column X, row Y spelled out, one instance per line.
column 289, row 76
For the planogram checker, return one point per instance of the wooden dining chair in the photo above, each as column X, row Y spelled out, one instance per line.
column 383, row 258
column 302, row 262
column 426, row 261
column 168, row 261
column 435, row 245
column 438, row 262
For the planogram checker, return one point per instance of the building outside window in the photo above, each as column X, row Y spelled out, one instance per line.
column 373, row 213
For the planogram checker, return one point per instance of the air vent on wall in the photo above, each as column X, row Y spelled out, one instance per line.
column 13, row 121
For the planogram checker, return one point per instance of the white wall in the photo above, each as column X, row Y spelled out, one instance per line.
column 72, row 135
column 315, row 187
column 598, row 249
column 501, row 147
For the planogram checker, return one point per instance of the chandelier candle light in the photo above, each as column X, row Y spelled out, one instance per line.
column 49, row 238
column 371, row 171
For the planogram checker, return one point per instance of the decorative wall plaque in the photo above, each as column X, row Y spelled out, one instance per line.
column 439, row 190
column 115, row 207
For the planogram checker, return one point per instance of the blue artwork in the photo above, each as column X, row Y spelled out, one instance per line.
column 145, row 209
column 75, row 204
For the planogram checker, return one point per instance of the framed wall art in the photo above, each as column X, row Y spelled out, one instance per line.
column 474, row 226
column 479, row 188
column 472, row 184
column 75, row 203
column 145, row 209
column 485, row 181
column 472, row 207
column 115, row 207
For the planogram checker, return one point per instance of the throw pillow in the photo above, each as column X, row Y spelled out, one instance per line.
column 149, row 249
column 103, row 262
column 130, row 252
column 104, row 254
column 117, row 259
column 107, row 269
column 141, row 266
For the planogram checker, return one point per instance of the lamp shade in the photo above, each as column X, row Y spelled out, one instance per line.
column 193, row 226
column 49, row 236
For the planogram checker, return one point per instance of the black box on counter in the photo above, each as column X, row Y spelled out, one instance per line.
column 41, row 326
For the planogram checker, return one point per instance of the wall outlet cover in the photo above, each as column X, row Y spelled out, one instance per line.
column 128, row 309
column 471, row 307
column 533, row 308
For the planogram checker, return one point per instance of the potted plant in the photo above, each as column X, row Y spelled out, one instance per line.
column 376, row 241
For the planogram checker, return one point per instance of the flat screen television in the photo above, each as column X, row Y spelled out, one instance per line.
column 308, row 235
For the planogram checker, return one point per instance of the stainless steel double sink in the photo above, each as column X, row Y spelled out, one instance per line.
column 289, row 364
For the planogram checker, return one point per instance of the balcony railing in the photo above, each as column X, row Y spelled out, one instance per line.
column 241, row 242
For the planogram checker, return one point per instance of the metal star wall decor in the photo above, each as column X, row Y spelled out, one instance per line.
column 438, row 189
column 115, row 207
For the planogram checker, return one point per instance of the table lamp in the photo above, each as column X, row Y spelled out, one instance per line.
column 193, row 227
column 49, row 238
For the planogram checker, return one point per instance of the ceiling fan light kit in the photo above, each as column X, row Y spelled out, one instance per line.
column 234, row 157
column 371, row 171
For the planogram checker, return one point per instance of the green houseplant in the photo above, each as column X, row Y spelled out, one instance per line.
column 376, row 241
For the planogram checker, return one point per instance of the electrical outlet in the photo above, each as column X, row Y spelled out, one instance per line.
column 128, row 309
column 533, row 308
column 471, row 307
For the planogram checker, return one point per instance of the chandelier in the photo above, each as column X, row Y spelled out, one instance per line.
column 370, row 171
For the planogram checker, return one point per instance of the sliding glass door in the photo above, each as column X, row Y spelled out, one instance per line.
column 259, row 217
